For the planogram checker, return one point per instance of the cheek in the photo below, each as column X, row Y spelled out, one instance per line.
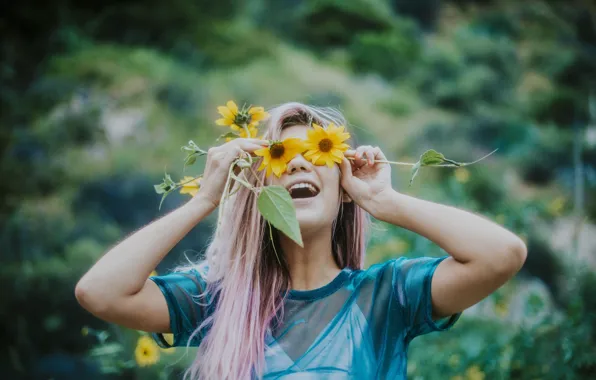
column 331, row 183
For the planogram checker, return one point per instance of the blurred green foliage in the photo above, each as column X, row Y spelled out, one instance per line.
column 97, row 99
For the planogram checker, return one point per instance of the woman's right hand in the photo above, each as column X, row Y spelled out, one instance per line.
column 218, row 163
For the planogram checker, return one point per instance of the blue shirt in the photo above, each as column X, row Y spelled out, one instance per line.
column 358, row 326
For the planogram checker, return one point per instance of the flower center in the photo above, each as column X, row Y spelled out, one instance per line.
column 277, row 150
column 325, row 145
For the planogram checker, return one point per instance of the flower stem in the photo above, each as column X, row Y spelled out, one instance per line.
column 273, row 243
column 387, row 162
column 257, row 177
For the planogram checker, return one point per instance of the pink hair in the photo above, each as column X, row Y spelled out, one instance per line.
column 244, row 275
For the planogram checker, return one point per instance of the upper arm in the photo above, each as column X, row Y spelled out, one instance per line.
column 173, row 303
column 457, row 286
column 146, row 310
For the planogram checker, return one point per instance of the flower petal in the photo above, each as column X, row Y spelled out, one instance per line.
column 255, row 110
column 258, row 116
column 232, row 107
column 263, row 152
column 223, row 121
column 225, row 112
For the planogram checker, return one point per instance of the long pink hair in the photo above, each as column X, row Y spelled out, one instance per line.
column 244, row 275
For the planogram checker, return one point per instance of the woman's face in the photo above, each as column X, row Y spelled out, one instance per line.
column 314, row 210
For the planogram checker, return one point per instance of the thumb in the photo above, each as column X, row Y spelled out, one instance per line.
column 346, row 170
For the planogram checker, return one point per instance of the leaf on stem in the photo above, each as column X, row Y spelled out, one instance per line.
column 276, row 206
column 229, row 135
column 431, row 158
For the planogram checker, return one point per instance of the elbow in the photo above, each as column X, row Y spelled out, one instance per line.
column 89, row 299
column 512, row 258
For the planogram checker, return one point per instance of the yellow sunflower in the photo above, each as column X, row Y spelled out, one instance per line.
column 146, row 352
column 278, row 154
column 189, row 187
column 236, row 118
column 326, row 146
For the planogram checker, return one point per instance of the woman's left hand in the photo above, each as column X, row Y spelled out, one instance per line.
column 363, row 178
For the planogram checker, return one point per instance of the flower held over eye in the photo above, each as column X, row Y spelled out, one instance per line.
column 326, row 146
column 236, row 118
column 278, row 154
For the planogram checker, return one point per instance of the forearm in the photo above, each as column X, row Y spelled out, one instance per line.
column 465, row 236
column 123, row 270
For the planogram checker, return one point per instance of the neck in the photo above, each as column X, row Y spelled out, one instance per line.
column 311, row 266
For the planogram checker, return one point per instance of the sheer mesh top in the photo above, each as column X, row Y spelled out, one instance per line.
column 358, row 326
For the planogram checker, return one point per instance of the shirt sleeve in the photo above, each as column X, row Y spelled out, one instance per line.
column 412, row 280
column 188, row 306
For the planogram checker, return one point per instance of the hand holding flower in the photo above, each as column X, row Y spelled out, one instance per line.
column 363, row 177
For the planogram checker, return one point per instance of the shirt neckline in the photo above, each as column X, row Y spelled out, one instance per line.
column 323, row 291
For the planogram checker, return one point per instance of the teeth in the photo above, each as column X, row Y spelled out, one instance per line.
column 304, row 185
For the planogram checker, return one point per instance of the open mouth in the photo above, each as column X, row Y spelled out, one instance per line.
column 303, row 190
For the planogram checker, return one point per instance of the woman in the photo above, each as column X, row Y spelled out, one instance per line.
column 258, row 309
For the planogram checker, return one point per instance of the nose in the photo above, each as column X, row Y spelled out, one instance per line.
column 299, row 164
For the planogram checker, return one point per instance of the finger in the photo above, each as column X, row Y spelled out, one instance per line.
column 345, row 168
column 257, row 141
column 357, row 163
column 379, row 155
column 370, row 156
column 358, row 157
column 249, row 146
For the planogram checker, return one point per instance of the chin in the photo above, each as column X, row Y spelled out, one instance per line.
column 311, row 221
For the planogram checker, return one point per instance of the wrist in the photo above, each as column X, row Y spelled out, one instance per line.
column 381, row 205
column 202, row 203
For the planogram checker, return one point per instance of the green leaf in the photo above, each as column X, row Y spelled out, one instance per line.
column 277, row 207
column 230, row 135
column 431, row 157
column 193, row 148
column 162, row 199
column 415, row 170
column 166, row 185
column 190, row 159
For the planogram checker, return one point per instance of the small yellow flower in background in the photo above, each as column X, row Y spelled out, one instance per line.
column 236, row 118
column 501, row 308
column 146, row 352
column 277, row 155
column 326, row 146
column 462, row 175
column 189, row 186
column 474, row 373
column 556, row 206
column 85, row 331
column 454, row 360
column 153, row 273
